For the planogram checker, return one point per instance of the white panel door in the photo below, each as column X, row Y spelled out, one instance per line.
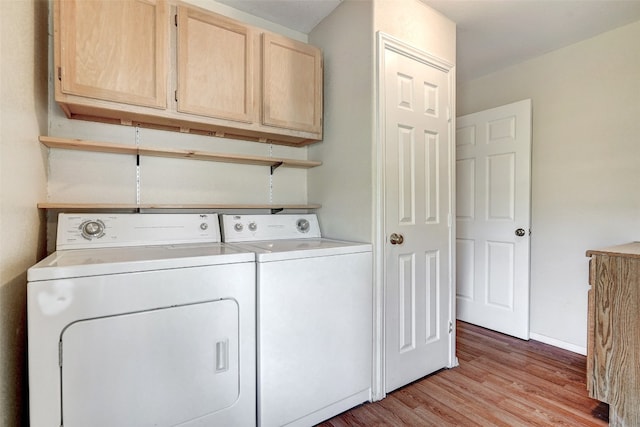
column 493, row 168
column 417, row 214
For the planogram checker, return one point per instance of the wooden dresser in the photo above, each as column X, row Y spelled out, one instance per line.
column 613, row 345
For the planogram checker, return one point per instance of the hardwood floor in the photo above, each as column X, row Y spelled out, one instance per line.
column 501, row 381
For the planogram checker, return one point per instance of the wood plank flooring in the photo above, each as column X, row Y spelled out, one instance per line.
column 501, row 381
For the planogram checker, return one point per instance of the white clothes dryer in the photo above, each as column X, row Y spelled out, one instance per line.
column 314, row 318
column 142, row 320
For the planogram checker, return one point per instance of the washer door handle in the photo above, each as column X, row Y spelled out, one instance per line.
column 222, row 356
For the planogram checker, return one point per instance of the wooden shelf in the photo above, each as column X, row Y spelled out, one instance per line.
column 107, row 147
column 133, row 206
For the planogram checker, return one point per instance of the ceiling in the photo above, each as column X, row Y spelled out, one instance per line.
column 299, row 15
column 492, row 34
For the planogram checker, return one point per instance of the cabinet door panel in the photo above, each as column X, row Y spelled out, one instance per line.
column 215, row 66
column 292, row 84
column 114, row 50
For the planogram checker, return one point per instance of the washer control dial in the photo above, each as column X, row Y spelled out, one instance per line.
column 92, row 229
column 303, row 225
column 253, row 226
column 238, row 226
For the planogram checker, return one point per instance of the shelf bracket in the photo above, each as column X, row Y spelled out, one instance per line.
column 275, row 166
column 138, row 200
column 276, row 210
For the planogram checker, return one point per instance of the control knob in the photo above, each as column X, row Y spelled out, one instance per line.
column 303, row 225
column 92, row 229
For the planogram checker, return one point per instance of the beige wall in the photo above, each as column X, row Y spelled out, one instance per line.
column 585, row 166
column 417, row 25
column 23, row 84
column 343, row 184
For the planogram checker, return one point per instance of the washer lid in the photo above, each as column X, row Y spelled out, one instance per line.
column 105, row 261
column 280, row 250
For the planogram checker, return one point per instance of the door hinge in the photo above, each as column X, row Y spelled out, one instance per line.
column 175, row 19
column 175, row 94
column 60, row 73
column 450, row 326
column 449, row 114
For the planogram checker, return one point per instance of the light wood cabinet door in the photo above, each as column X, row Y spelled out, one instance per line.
column 114, row 63
column 291, row 84
column 215, row 66
column 113, row 50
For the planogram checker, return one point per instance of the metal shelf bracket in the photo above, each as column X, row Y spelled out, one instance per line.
column 275, row 166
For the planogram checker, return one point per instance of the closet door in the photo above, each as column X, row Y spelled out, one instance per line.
column 418, row 209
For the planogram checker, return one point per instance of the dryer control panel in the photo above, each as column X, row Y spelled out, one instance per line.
column 251, row 228
column 82, row 231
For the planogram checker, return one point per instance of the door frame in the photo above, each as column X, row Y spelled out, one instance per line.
column 383, row 42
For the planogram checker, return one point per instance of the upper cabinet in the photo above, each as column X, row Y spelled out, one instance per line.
column 221, row 77
column 113, row 50
column 292, row 84
column 216, row 66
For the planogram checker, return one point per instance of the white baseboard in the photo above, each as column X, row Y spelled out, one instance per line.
column 557, row 343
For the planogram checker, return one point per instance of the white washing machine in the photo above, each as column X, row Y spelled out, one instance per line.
column 142, row 320
column 314, row 320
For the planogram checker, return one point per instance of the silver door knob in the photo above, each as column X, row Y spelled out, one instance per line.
column 396, row 239
column 520, row 232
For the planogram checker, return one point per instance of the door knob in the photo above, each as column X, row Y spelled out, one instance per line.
column 396, row 239
column 520, row 232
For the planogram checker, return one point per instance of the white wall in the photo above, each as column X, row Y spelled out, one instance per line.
column 23, row 85
column 585, row 166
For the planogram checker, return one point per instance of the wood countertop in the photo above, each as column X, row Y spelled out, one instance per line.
column 630, row 250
